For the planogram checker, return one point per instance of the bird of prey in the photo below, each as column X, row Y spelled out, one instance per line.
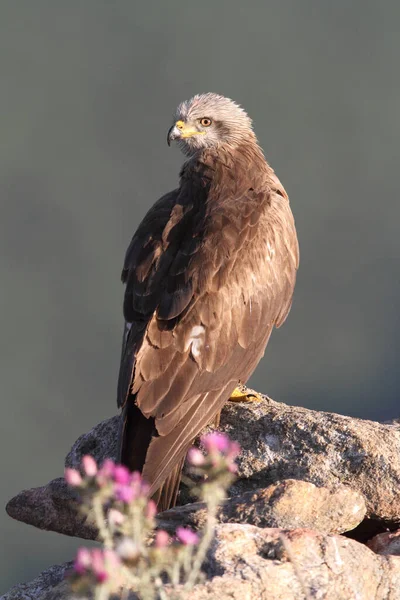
column 209, row 272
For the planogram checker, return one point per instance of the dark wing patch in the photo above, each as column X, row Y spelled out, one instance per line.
column 208, row 274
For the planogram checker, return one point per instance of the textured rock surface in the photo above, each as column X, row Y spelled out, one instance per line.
column 288, row 442
column 279, row 442
column 52, row 507
column 282, row 442
column 386, row 543
column 248, row 563
column 39, row 587
column 290, row 504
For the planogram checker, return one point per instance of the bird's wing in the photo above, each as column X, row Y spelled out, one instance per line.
column 200, row 309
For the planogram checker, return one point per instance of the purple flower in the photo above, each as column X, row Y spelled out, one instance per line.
column 107, row 468
column 124, row 493
column 195, row 457
column 73, row 477
column 139, row 485
column 98, row 565
column 234, row 450
column 82, row 561
column 89, row 465
column 162, row 539
column 216, row 442
column 121, row 475
column 187, row 536
column 106, row 472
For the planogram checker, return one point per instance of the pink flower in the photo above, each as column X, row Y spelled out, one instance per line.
column 82, row 561
column 187, row 536
column 111, row 558
column 195, row 457
column 89, row 465
column 98, row 565
column 151, row 509
column 73, row 477
column 139, row 485
column 232, row 467
column 105, row 472
column 162, row 539
column 234, row 450
column 121, row 475
column 216, row 442
column 124, row 493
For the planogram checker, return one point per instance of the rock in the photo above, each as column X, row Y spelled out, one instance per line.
column 290, row 504
column 285, row 442
column 52, row 507
column 386, row 543
column 278, row 442
column 39, row 587
column 288, row 442
column 100, row 442
column 286, row 565
column 246, row 562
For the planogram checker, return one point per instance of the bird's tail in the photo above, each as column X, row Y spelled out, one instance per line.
column 135, row 436
column 166, row 495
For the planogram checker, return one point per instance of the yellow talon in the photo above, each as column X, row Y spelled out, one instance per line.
column 244, row 394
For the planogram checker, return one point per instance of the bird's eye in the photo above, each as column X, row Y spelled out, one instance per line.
column 205, row 121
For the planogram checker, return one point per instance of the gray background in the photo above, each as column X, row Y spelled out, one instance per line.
column 87, row 92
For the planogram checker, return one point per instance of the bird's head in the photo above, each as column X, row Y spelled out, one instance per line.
column 207, row 121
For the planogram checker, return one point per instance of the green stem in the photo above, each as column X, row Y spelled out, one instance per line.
column 205, row 542
column 104, row 533
column 101, row 593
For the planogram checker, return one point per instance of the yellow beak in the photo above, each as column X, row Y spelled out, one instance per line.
column 182, row 130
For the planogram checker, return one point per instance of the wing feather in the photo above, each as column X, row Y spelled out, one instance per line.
column 208, row 274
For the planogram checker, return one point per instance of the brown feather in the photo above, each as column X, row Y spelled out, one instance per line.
column 209, row 272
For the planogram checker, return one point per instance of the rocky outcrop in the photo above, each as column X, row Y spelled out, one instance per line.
column 47, row 581
column 303, row 476
column 278, row 442
column 52, row 507
column 247, row 563
column 290, row 504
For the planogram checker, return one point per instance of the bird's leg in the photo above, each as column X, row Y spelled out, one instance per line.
column 241, row 393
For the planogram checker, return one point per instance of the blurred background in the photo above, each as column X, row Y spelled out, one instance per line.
column 87, row 94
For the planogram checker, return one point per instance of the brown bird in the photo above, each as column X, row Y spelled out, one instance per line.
column 209, row 273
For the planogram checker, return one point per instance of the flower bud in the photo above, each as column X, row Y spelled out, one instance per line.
column 124, row 493
column 187, row 536
column 162, row 539
column 89, row 465
column 195, row 457
column 151, row 509
column 122, row 475
column 73, row 477
column 216, row 442
column 82, row 561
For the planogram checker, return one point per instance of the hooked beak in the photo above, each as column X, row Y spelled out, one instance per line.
column 173, row 134
column 180, row 131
